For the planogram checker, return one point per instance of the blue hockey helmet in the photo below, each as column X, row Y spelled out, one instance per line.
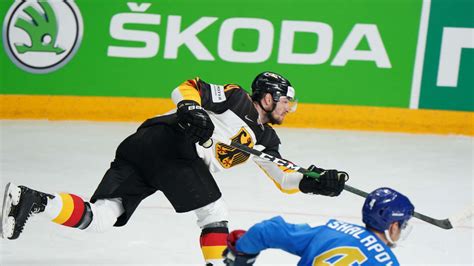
column 385, row 206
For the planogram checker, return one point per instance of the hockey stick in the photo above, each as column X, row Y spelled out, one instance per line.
column 442, row 223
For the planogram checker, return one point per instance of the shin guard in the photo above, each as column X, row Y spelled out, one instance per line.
column 213, row 242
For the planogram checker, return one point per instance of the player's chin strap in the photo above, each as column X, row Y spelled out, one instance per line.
column 389, row 238
column 442, row 223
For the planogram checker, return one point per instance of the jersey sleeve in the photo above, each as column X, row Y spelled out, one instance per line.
column 215, row 98
column 286, row 180
column 276, row 233
column 188, row 90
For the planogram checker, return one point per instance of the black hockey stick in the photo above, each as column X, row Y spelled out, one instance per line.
column 443, row 223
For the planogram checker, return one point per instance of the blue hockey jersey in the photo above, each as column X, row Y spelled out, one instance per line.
column 336, row 243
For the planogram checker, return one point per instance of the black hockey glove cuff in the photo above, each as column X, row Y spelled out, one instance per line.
column 238, row 259
column 232, row 257
column 195, row 122
column 330, row 182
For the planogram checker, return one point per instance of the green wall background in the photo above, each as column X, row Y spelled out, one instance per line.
column 454, row 14
column 92, row 73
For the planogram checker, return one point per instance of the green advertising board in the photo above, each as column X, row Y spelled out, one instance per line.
column 448, row 80
column 334, row 52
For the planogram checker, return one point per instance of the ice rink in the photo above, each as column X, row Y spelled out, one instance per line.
column 434, row 171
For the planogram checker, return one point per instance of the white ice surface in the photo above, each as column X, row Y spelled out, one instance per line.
column 436, row 172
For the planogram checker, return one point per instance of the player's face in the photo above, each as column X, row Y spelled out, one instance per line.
column 399, row 232
column 283, row 107
column 396, row 232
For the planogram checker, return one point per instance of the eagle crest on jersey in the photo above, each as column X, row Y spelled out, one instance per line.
column 229, row 156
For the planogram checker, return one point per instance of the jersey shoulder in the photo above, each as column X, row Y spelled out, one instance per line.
column 370, row 250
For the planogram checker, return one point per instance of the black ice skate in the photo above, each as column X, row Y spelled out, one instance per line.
column 19, row 203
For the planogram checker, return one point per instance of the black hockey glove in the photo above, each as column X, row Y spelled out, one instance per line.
column 195, row 122
column 232, row 257
column 330, row 182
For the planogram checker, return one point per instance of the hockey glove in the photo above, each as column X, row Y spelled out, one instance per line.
column 195, row 122
column 330, row 182
column 232, row 257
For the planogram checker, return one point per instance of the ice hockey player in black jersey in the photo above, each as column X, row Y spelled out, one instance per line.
column 174, row 153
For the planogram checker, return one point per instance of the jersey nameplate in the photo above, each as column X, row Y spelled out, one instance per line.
column 217, row 92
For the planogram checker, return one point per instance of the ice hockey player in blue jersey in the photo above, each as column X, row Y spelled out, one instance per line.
column 385, row 213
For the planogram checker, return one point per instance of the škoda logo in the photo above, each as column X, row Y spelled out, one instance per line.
column 43, row 35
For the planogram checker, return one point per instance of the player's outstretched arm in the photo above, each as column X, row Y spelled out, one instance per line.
column 329, row 183
column 244, row 247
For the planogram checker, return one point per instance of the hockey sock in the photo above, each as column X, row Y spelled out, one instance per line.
column 214, row 242
column 69, row 210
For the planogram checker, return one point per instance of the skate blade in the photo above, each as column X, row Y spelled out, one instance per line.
column 11, row 198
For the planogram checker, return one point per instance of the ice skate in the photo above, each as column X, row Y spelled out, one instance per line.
column 19, row 203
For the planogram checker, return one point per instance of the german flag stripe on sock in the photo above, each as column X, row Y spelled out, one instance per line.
column 213, row 243
column 214, row 239
column 223, row 230
column 213, row 252
column 72, row 210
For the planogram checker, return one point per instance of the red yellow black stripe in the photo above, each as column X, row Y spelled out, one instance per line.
column 213, row 242
column 72, row 210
